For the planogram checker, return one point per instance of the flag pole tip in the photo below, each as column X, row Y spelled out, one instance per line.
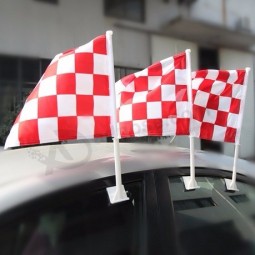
column 247, row 69
column 188, row 51
column 109, row 32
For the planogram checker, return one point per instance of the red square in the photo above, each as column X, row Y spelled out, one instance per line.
column 180, row 61
column 230, row 135
column 168, row 78
column 141, row 83
column 28, row 132
column 84, row 63
column 51, row 70
column 66, row 83
column 67, row 128
column 84, row 105
column 47, row 107
column 101, row 85
column 206, row 131
column 206, row 85
column 198, row 112
column 240, row 75
column 154, row 127
column 99, row 45
column 201, row 74
column 182, row 126
column 126, row 129
column 181, row 93
column 154, row 95
column 102, row 126
column 169, row 110
column 213, row 102
column 223, row 76
column 155, row 69
column 126, row 97
column 194, row 93
column 227, row 92
column 235, row 105
column 128, row 79
column 139, row 111
column 222, row 119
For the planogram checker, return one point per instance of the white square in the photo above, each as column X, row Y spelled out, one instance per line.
column 232, row 120
column 168, row 93
column 237, row 91
column 86, row 127
column 66, row 105
column 224, row 103
column 154, row 110
column 144, row 72
column 125, row 113
column 218, row 87
column 181, row 77
column 140, row 97
column 30, row 110
column 196, row 83
column 210, row 116
column 195, row 128
column 101, row 64
column 85, row 48
column 140, row 127
column 212, row 74
column 219, row 133
column 48, row 87
column 13, row 138
column 183, row 110
column 169, row 127
column 233, row 75
column 201, row 98
column 66, row 64
column 167, row 65
column 102, row 106
column 154, row 82
column 48, row 130
column 84, row 84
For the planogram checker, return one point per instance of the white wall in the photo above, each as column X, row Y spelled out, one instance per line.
column 163, row 47
column 231, row 59
column 33, row 28
column 212, row 11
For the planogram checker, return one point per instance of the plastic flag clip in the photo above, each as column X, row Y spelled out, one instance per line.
column 190, row 183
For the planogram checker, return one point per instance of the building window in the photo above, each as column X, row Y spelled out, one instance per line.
column 18, row 77
column 125, row 9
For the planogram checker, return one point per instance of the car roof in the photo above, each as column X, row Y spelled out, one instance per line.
column 28, row 173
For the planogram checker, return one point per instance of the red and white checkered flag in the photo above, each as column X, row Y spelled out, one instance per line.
column 218, row 104
column 71, row 101
column 154, row 101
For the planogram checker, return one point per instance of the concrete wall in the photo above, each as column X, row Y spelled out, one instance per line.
column 32, row 28
column 231, row 59
column 212, row 11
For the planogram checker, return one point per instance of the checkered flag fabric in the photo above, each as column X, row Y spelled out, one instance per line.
column 71, row 101
column 218, row 102
column 154, row 101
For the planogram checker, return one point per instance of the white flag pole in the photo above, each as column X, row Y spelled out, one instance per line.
column 231, row 184
column 117, row 193
column 190, row 181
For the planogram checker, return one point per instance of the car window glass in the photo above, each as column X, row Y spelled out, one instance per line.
column 211, row 220
column 82, row 225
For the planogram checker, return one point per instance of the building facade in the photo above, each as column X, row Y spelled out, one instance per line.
column 220, row 34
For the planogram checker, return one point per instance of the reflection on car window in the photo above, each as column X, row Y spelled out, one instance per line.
column 211, row 220
column 85, row 225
